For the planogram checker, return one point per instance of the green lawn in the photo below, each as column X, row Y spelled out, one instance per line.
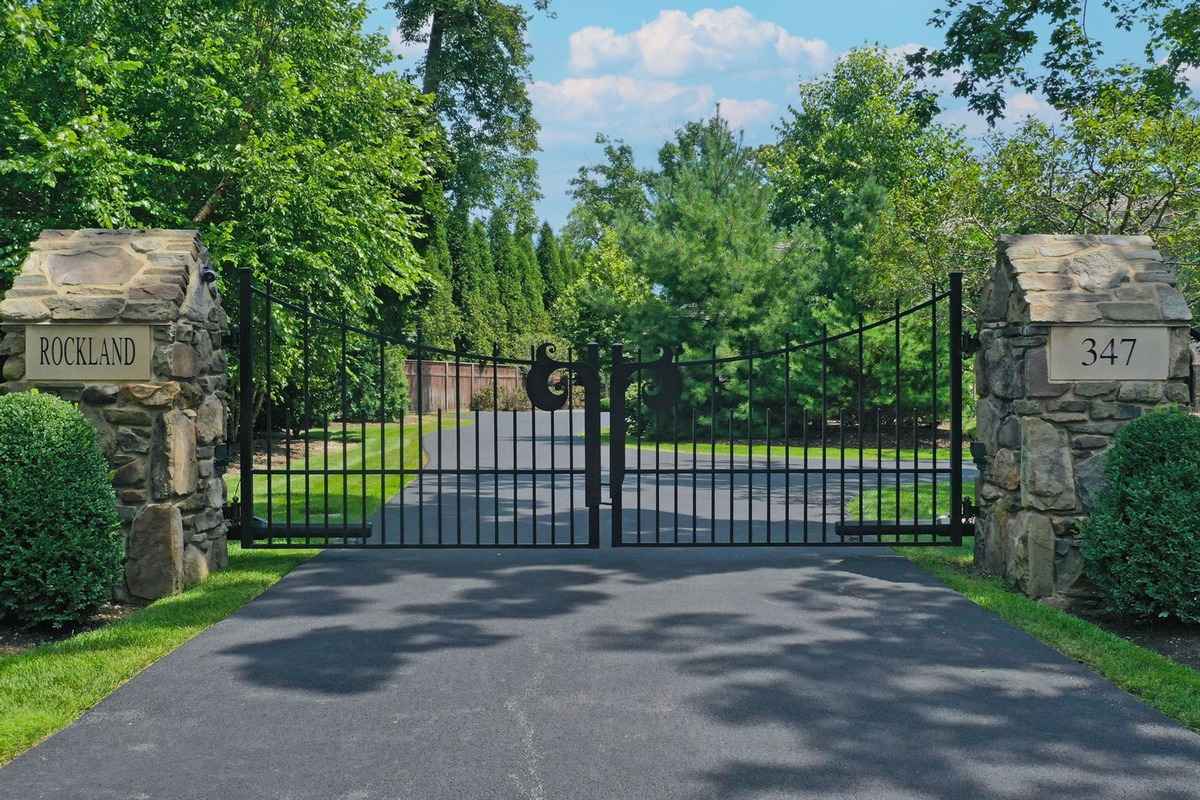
column 832, row 454
column 348, row 499
column 1172, row 688
column 874, row 499
column 44, row 689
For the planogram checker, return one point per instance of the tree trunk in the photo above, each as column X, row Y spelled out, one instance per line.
column 433, row 55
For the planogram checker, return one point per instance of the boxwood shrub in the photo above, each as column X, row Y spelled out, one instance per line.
column 60, row 542
column 1141, row 546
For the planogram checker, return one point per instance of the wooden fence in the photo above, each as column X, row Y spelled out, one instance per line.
column 438, row 384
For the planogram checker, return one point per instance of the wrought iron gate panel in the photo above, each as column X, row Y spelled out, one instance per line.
column 471, row 478
column 476, row 483
column 733, row 465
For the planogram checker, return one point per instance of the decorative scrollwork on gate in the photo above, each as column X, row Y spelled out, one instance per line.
column 667, row 381
column 537, row 380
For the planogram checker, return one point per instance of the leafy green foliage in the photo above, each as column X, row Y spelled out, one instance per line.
column 1126, row 163
column 1141, row 545
column 606, row 303
column 895, row 196
column 61, row 549
column 990, row 45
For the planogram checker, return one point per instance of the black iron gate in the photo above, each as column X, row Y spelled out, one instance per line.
column 854, row 438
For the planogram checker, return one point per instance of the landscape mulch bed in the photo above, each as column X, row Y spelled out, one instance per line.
column 14, row 640
column 1175, row 640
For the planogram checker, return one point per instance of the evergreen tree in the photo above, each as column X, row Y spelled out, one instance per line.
column 506, row 257
column 439, row 319
column 492, row 306
column 549, row 257
column 533, row 286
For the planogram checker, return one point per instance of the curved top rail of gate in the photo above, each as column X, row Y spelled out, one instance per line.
column 415, row 343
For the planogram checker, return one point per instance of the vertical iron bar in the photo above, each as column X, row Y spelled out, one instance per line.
column 658, row 426
column 287, row 468
column 363, row 433
column 879, row 463
column 618, row 380
column 441, row 466
column 571, row 438
column 420, row 440
column 592, row 444
column 345, row 435
column 325, row 466
column 383, row 477
column 305, row 349
column 842, row 466
column 675, row 462
column 767, row 425
column 246, row 400
column 270, row 424
column 553, row 484
column 787, row 446
column 933, row 373
column 861, row 453
column 956, row 343
column 824, row 419
column 694, row 469
column 750, row 447
column 712, row 455
column 533, row 447
column 731, row 474
column 916, row 473
column 516, row 479
column 641, row 424
column 458, row 528
column 804, row 445
column 478, row 474
column 496, row 443
column 896, row 333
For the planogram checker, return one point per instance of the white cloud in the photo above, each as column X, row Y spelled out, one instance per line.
column 602, row 97
column 744, row 113
column 675, row 43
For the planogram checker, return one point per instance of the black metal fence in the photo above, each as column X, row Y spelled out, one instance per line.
column 854, row 438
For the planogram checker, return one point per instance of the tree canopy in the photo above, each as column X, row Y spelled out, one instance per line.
column 989, row 45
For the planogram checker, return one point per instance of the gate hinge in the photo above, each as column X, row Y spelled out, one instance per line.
column 970, row 343
column 969, row 510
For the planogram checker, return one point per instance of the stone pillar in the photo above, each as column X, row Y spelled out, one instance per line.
column 1078, row 336
column 129, row 325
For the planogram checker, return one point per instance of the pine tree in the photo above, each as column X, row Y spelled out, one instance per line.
column 550, row 262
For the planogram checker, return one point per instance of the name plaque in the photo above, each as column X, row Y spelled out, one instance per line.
column 1109, row 353
column 103, row 353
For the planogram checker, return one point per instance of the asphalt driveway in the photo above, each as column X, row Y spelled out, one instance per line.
column 611, row 674
column 622, row 675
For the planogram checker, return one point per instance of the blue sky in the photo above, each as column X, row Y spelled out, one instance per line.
column 638, row 70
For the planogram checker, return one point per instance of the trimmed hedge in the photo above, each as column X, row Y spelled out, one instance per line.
column 1141, row 546
column 61, row 549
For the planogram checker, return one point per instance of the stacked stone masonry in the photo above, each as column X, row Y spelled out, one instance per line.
column 161, row 436
column 1041, row 445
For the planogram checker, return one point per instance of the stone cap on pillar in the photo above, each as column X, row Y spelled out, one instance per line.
column 1082, row 279
column 100, row 276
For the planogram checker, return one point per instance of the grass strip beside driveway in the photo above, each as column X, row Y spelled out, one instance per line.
column 870, row 455
column 47, row 688
column 1172, row 688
